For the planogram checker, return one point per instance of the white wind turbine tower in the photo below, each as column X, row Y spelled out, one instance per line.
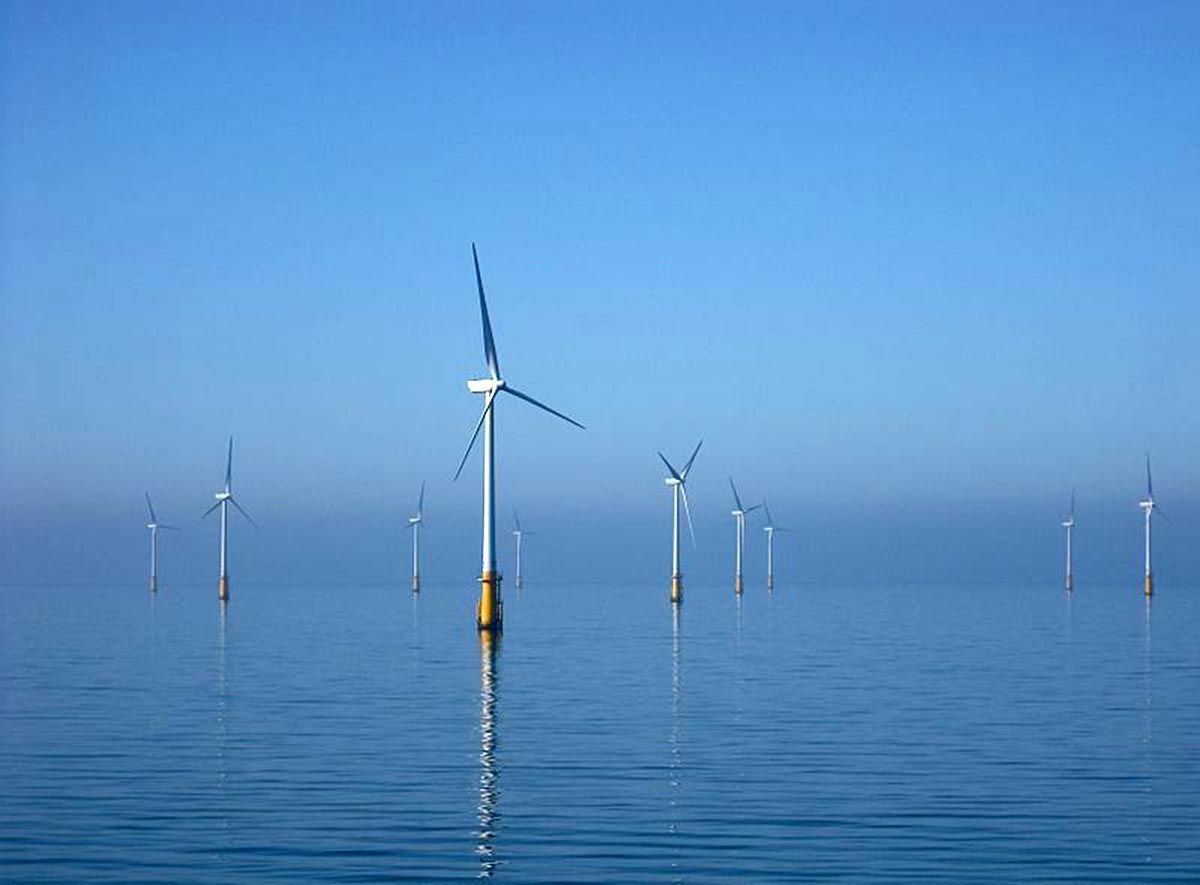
column 414, row 523
column 1069, row 525
column 489, row 614
column 770, row 528
column 224, row 499
column 678, row 484
column 739, row 521
column 519, row 534
column 154, row 525
column 1148, row 506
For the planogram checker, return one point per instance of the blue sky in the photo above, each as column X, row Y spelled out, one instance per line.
column 905, row 267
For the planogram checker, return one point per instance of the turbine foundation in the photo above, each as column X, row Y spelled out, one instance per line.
column 489, row 611
column 416, row 584
column 676, row 589
column 737, row 584
column 153, row 583
column 223, row 588
column 770, row 582
column 1070, row 583
column 1149, row 590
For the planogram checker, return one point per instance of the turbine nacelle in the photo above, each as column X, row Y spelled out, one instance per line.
column 1146, row 505
column 671, row 481
column 223, row 496
column 485, row 385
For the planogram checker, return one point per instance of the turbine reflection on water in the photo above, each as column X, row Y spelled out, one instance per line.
column 489, row 773
column 1147, row 731
column 676, row 745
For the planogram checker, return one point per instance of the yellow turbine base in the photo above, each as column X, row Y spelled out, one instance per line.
column 489, row 611
column 223, row 588
column 676, row 589
column 1149, row 585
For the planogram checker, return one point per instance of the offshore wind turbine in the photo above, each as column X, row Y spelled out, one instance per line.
column 154, row 525
column 1148, row 507
column 1069, row 525
column 224, row 499
column 489, row 612
column 414, row 523
column 739, row 521
column 677, row 482
column 770, row 528
column 519, row 534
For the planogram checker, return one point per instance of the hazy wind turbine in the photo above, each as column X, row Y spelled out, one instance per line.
column 739, row 521
column 489, row 613
column 225, row 498
column 678, row 483
column 1148, row 507
column 1069, row 525
column 770, row 529
column 414, row 523
column 154, row 525
column 519, row 534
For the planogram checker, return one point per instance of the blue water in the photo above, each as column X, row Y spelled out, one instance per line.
column 360, row 734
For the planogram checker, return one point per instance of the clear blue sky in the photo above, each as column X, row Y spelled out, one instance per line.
column 911, row 269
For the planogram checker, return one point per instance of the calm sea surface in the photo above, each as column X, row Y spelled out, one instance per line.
column 349, row 733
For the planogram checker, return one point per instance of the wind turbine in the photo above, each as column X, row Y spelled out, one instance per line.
column 770, row 529
column 224, row 499
column 1069, row 525
column 519, row 534
column 414, row 523
column 154, row 525
column 1148, row 507
column 678, row 483
column 489, row 612
column 739, row 521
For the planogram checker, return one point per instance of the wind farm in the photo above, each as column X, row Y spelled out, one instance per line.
column 917, row 275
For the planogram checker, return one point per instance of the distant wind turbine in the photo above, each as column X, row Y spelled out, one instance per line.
column 1148, row 506
column 1069, row 525
column 678, row 483
column 489, row 613
column 225, row 498
column 739, row 521
column 519, row 534
column 414, row 523
column 154, row 525
column 770, row 528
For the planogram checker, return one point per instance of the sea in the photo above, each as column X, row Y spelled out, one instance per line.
column 364, row 733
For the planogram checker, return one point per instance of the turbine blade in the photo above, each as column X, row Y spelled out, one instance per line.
column 688, row 465
column 674, row 472
column 243, row 512
column 1149, row 481
column 736, row 499
column 530, row 399
column 1072, row 505
column 517, row 519
column 421, row 500
column 767, row 511
column 173, row 528
column 210, row 510
column 491, row 398
column 688, row 512
column 229, row 466
column 153, row 518
column 752, row 509
column 489, row 343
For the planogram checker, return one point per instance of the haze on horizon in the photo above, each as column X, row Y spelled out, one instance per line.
column 913, row 272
